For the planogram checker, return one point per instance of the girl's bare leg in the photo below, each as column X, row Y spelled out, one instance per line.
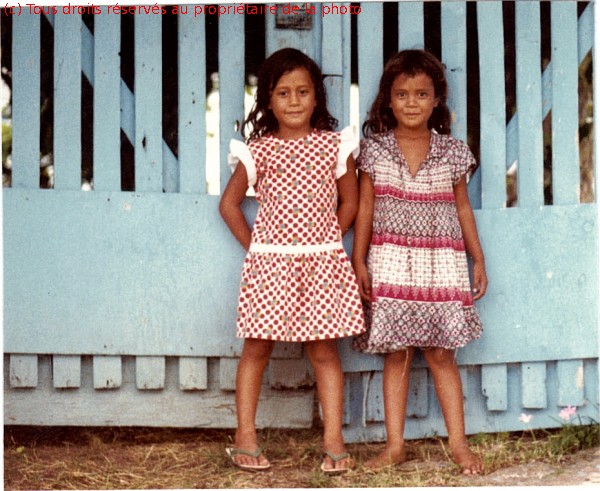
column 396, row 378
column 448, row 387
column 254, row 359
column 323, row 356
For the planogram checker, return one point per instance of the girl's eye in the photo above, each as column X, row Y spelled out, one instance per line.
column 282, row 93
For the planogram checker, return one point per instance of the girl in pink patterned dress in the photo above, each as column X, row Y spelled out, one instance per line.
column 297, row 282
column 412, row 230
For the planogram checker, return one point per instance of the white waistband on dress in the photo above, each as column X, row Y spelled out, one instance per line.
column 295, row 249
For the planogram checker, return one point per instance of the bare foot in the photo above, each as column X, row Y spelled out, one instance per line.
column 388, row 458
column 462, row 455
column 247, row 442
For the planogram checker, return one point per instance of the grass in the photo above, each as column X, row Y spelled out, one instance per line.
column 144, row 458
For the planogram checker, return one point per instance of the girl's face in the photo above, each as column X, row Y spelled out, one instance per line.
column 412, row 101
column 293, row 101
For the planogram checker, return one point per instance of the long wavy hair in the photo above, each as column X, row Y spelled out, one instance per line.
column 261, row 119
column 410, row 63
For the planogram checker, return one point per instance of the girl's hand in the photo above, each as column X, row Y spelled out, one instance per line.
column 364, row 282
column 480, row 281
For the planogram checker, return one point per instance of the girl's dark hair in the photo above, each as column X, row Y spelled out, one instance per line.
column 261, row 118
column 410, row 63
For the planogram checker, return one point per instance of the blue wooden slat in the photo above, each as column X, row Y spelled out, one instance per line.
column 335, row 64
column 492, row 105
column 374, row 409
column 410, row 25
column 494, row 385
column 370, row 55
column 148, row 103
column 533, row 385
column 193, row 373
column 107, row 372
column 66, row 372
column 67, row 101
column 231, row 85
column 454, row 56
column 570, row 374
column 150, row 372
column 227, row 373
column 290, row 374
column 530, row 173
column 306, row 40
column 418, row 400
column 26, row 101
column 107, row 114
column 565, row 104
column 192, row 104
column 23, row 371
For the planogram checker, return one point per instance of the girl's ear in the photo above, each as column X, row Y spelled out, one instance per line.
column 436, row 102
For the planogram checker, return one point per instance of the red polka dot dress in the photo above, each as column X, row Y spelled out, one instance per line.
column 297, row 281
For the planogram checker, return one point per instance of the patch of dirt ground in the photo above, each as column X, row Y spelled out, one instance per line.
column 127, row 458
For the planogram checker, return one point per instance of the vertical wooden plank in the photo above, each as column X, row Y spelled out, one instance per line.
column 67, row 101
column 494, row 386
column 107, row 103
column 107, row 372
column 26, row 101
column 570, row 382
column 66, row 371
column 148, row 103
column 150, row 372
column 492, row 105
column 565, row 106
column 410, row 25
column 454, row 56
column 192, row 104
column 530, row 177
column 290, row 374
column 418, row 399
column 334, row 58
column 227, row 373
column 23, row 371
column 231, row 85
column 370, row 54
column 374, row 409
column 533, row 385
column 193, row 373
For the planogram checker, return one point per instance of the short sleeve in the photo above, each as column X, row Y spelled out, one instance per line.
column 348, row 145
column 463, row 161
column 365, row 161
column 239, row 151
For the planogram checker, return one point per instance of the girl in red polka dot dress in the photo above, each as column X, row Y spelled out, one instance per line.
column 297, row 282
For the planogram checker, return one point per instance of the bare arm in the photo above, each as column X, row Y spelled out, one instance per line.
column 348, row 196
column 363, row 229
column 230, row 206
column 471, row 238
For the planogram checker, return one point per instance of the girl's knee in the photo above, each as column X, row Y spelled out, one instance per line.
column 320, row 352
column 439, row 357
column 257, row 349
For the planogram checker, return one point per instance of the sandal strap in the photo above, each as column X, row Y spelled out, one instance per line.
column 238, row 451
column 337, row 458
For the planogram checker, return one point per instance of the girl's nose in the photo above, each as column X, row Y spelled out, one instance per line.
column 294, row 98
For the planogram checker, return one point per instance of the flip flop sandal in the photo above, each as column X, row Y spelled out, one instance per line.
column 233, row 452
column 335, row 459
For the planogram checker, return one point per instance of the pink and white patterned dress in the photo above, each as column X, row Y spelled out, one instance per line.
column 297, row 281
column 417, row 258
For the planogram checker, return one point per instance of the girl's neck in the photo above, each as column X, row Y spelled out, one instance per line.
column 412, row 134
column 287, row 134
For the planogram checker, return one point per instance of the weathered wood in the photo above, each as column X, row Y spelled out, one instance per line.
column 227, row 373
column 192, row 104
column 23, row 371
column 193, row 373
column 565, row 114
column 148, row 107
column 494, row 386
column 374, row 399
column 530, row 179
column 290, row 374
column 418, row 400
column 107, row 372
column 26, row 101
column 571, row 385
column 67, row 102
column 150, row 372
column 107, row 104
column 66, row 371
column 492, row 105
column 410, row 25
column 533, row 385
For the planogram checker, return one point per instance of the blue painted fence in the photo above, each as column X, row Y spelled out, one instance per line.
column 119, row 307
